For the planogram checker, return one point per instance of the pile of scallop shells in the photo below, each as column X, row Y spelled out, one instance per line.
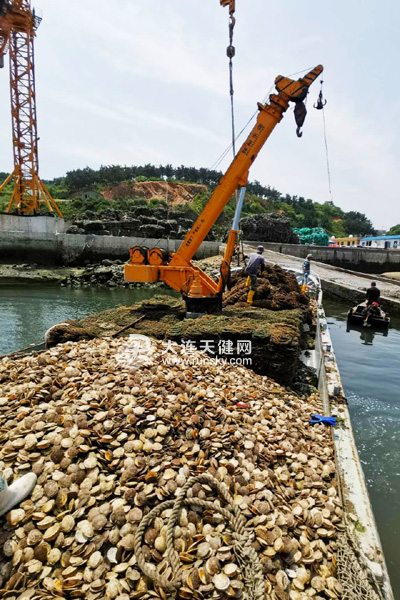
column 110, row 442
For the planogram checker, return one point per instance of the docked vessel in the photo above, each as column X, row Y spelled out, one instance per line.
column 372, row 316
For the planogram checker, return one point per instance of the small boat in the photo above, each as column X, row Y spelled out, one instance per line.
column 372, row 315
column 313, row 285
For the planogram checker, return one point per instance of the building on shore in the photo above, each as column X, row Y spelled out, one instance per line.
column 381, row 241
column 350, row 241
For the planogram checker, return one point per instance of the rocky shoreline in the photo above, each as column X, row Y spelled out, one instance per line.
column 37, row 273
column 106, row 273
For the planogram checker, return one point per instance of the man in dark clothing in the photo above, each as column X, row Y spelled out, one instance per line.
column 256, row 261
column 373, row 294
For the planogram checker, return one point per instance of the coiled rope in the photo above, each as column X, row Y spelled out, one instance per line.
column 245, row 553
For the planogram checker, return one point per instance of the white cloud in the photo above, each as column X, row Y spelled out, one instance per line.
column 122, row 81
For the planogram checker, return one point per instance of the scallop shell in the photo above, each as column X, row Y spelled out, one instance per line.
column 221, row 582
column 109, row 443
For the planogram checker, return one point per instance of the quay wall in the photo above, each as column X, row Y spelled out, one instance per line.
column 364, row 260
column 43, row 240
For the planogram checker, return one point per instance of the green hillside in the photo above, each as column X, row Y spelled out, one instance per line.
column 300, row 211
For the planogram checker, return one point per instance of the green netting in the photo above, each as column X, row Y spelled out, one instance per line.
column 313, row 237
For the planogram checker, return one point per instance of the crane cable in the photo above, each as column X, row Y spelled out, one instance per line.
column 219, row 160
column 327, row 156
column 320, row 105
column 230, row 51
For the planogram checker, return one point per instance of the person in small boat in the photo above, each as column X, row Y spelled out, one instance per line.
column 373, row 294
column 372, row 299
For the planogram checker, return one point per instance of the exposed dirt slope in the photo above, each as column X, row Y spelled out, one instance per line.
column 178, row 193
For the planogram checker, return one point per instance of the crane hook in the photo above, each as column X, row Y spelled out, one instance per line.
column 300, row 113
column 320, row 102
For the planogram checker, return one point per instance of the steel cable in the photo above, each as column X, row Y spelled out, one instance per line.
column 235, row 138
column 327, row 156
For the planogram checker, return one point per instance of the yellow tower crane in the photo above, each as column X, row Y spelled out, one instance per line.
column 18, row 25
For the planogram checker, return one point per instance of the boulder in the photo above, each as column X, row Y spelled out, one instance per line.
column 93, row 226
column 152, row 231
column 268, row 227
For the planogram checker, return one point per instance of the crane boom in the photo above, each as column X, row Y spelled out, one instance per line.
column 176, row 270
column 269, row 116
column 18, row 25
column 230, row 3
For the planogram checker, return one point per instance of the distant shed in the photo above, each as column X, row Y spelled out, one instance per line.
column 87, row 195
column 350, row 240
column 381, row 241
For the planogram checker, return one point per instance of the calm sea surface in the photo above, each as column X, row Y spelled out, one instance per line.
column 369, row 364
column 28, row 310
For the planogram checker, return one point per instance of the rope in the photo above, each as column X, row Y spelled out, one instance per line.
column 227, row 150
column 356, row 579
column 245, row 553
column 167, row 199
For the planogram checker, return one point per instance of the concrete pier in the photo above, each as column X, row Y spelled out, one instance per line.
column 348, row 286
column 364, row 260
column 43, row 240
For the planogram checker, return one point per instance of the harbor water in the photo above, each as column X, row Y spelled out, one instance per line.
column 369, row 364
column 28, row 310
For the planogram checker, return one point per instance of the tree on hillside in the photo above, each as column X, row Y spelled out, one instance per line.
column 112, row 174
column 356, row 223
column 337, row 229
column 301, row 212
column 81, row 179
column 306, row 211
column 327, row 214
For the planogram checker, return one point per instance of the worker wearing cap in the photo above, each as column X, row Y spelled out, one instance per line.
column 256, row 261
column 306, row 268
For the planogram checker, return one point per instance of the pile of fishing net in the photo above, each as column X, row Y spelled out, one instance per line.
column 312, row 237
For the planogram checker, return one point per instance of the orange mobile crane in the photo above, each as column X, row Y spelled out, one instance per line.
column 200, row 291
column 18, row 25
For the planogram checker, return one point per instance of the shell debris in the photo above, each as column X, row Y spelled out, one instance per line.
column 108, row 443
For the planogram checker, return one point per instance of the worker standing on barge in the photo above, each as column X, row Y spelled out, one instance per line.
column 256, row 261
column 306, row 268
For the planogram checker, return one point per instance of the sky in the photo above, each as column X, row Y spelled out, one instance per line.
column 146, row 81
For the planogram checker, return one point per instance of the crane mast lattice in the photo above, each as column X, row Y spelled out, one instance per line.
column 18, row 25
